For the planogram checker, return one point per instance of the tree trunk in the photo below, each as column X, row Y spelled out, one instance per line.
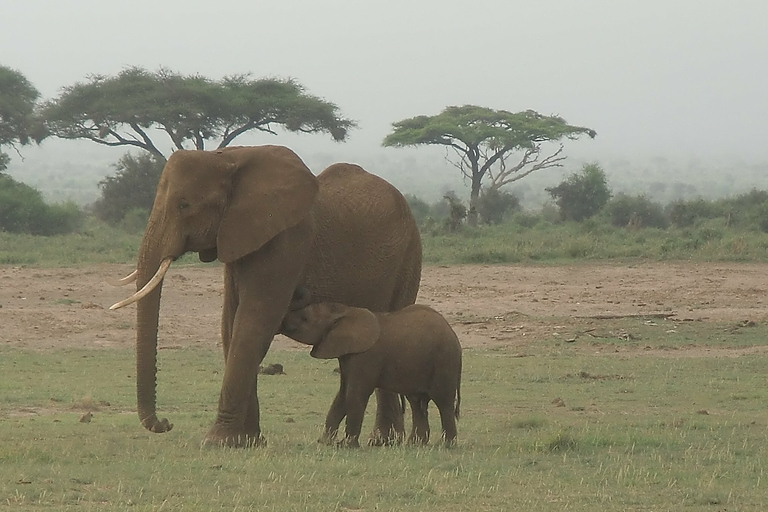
column 472, row 218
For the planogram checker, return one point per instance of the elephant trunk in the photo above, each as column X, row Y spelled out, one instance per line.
column 147, row 316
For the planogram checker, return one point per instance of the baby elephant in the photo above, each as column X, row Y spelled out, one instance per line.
column 413, row 352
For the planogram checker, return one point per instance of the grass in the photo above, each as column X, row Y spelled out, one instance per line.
column 505, row 243
column 558, row 243
column 561, row 429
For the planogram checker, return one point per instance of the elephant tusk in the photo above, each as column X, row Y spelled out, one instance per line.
column 147, row 289
column 126, row 280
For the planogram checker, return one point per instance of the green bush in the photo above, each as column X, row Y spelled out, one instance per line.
column 419, row 208
column 457, row 212
column 635, row 211
column 526, row 219
column 748, row 210
column 762, row 218
column 23, row 210
column 135, row 220
column 493, row 205
column 581, row 195
column 134, row 185
column 685, row 214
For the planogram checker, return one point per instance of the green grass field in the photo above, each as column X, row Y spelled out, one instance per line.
column 674, row 427
column 651, row 428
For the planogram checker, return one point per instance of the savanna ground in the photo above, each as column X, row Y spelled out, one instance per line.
column 600, row 386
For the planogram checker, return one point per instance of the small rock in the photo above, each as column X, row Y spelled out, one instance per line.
column 86, row 418
column 272, row 369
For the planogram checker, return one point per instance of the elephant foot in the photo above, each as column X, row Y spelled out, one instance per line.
column 219, row 436
column 349, row 442
column 328, row 439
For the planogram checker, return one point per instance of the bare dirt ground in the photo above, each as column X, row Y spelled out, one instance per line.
column 489, row 306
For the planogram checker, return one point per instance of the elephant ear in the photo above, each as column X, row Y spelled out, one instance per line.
column 272, row 190
column 357, row 330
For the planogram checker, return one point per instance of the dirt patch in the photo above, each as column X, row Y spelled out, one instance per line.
column 489, row 306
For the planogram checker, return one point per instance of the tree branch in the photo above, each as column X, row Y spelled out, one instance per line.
column 462, row 162
column 228, row 136
column 199, row 140
column 514, row 174
column 149, row 145
column 177, row 141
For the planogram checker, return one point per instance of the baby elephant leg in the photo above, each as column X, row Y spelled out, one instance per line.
column 355, row 405
column 420, row 428
column 445, row 404
column 335, row 414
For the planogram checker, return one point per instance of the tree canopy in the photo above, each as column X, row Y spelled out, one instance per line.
column 483, row 139
column 17, row 108
column 128, row 109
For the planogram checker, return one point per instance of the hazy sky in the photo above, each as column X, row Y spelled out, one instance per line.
column 675, row 78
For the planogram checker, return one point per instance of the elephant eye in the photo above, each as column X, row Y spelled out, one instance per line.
column 183, row 204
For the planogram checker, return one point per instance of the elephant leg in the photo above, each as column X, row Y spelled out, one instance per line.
column 444, row 404
column 227, row 325
column 420, row 428
column 390, row 425
column 335, row 414
column 355, row 404
column 263, row 284
column 228, row 310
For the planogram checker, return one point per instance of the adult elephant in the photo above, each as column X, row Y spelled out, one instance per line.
column 345, row 235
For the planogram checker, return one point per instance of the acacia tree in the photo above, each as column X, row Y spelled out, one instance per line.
column 130, row 108
column 18, row 98
column 484, row 140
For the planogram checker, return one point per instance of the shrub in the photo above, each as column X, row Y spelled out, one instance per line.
column 23, row 210
column 635, row 212
column 134, row 185
column 526, row 219
column 581, row 195
column 685, row 214
column 457, row 212
column 493, row 204
column 419, row 208
column 135, row 220
column 748, row 210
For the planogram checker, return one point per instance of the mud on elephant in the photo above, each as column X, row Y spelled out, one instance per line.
column 345, row 235
column 412, row 351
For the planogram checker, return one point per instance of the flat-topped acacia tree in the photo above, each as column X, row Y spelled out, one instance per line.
column 137, row 106
column 18, row 98
column 484, row 140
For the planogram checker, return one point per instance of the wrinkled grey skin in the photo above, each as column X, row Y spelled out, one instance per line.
column 413, row 352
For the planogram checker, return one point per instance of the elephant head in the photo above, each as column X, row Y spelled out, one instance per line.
column 222, row 204
column 333, row 329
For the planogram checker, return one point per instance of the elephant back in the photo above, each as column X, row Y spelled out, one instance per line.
column 367, row 247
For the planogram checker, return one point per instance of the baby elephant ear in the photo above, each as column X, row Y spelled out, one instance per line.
column 356, row 331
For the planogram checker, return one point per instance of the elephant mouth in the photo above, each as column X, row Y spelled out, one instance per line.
column 147, row 288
